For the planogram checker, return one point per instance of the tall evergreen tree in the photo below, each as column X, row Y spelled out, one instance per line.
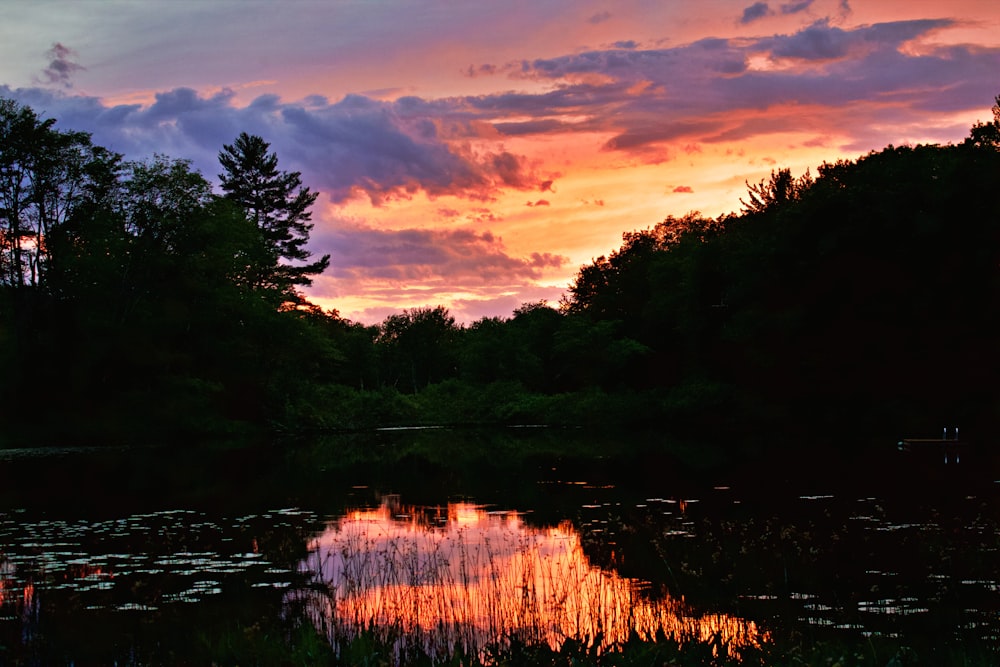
column 279, row 205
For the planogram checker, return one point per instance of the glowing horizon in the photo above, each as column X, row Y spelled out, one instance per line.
column 476, row 155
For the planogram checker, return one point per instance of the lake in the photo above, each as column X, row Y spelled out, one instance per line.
column 432, row 543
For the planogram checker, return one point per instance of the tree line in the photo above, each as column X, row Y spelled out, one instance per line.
column 133, row 298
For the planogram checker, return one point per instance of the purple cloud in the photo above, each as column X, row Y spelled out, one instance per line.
column 755, row 12
column 796, row 7
column 483, row 70
column 61, row 66
column 470, row 310
column 486, row 302
column 821, row 41
column 705, row 90
column 358, row 145
column 650, row 102
column 451, row 257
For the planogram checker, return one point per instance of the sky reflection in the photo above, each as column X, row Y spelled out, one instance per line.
column 459, row 577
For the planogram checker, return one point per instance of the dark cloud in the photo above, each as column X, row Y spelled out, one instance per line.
column 796, row 7
column 639, row 136
column 626, row 44
column 62, row 66
column 449, row 213
column 704, row 90
column 356, row 146
column 483, row 70
column 453, row 257
column 600, row 17
column 821, row 41
column 755, row 12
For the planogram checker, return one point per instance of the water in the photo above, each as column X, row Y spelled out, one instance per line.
column 465, row 577
column 450, row 541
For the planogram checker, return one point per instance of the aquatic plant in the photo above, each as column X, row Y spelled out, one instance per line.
column 462, row 581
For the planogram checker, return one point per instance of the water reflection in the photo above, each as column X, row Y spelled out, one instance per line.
column 461, row 578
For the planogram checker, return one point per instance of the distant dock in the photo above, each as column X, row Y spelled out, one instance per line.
column 950, row 447
column 910, row 444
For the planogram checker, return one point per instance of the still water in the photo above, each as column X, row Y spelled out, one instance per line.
column 451, row 542
column 464, row 577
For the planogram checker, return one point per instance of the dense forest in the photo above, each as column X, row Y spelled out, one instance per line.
column 137, row 303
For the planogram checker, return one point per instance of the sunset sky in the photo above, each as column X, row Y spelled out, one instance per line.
column 474, row 154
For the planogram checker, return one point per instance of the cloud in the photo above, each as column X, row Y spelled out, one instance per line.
column 540, row 202
column 755, row 12
column 449, row 257
column 599, row 18
column 469, row 269
column 821, row 41
column 796, row 7
column 61, row 66
column 470, row 310
column 483, row 70
column 651, row 103
column 356, row 146
column 474, row 305
column 683, row 189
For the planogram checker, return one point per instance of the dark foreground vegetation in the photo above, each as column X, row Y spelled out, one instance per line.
column 135, row 300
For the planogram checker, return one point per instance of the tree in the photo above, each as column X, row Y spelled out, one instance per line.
column 618, row 286
column 987, row 134
column 279, row 205
column 780, row 189
column 43, row 172
column 419, row 346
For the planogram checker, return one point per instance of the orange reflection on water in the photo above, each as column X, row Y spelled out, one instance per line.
column 466, row 578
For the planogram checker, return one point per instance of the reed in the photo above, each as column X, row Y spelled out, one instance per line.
column 480, row 585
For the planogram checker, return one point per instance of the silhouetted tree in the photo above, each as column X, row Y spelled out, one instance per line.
column 987, row 134
column 278, row 205
column 419, row 347
column 43, row 173
column 781, row 188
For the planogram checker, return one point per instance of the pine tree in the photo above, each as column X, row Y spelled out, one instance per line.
column 279, row 205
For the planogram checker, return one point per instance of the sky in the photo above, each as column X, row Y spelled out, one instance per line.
column 475, row 154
